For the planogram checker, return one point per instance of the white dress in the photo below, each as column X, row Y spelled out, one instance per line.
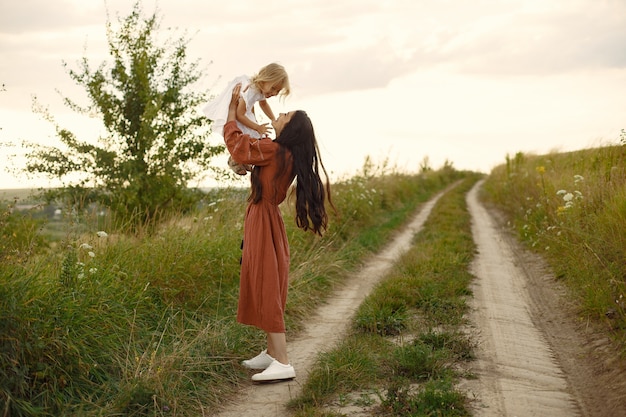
column 217, row 109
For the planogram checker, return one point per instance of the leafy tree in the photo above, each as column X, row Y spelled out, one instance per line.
column 155, row 140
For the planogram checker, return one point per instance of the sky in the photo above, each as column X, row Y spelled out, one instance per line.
column 401, row 82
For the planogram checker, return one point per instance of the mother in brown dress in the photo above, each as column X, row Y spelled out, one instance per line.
column 264, row 279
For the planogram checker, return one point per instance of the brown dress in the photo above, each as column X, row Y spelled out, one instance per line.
column 264, row 276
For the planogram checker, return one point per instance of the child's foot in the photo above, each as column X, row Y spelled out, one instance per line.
column 238, row 168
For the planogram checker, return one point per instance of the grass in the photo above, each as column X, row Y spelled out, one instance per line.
column 407, row 339
column 144, row 323
column 571, row 208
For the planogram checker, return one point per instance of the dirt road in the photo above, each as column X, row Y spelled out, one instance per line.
column 518, row 374
column 533, row 357
column 325, row 328
column 536, row 356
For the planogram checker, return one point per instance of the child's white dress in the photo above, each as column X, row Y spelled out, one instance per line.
column 217, row 109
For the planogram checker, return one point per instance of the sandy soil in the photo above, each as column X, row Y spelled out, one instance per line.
column 534, row 356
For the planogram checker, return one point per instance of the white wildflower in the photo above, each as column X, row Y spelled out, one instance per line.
column 578, row 178
column 102, row 234
column 91, row 254
column 86, row 246
column 561, row 192
column 568, row 197
column 93, row 270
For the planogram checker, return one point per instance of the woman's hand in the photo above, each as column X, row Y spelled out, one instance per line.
column 234, row 100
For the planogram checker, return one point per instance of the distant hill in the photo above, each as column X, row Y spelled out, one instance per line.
column 21, row 194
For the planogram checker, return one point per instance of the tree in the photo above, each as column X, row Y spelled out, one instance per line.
column 155, row 140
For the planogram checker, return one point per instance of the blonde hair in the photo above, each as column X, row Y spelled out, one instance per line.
column 274, row 74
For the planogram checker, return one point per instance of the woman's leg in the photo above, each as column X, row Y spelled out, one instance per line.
column 279, row 369
column 277, row 347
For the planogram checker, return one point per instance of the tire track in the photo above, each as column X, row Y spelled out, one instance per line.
column 518, row 374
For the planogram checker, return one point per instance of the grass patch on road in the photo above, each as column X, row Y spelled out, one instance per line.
column 405, row 352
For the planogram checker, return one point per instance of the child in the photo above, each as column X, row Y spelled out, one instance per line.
column 270, row 81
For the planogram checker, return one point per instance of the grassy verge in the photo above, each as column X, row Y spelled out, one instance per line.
column 138, row 325
column 402, row 357
column 571, row 208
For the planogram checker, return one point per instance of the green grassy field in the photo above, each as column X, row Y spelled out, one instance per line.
column 143, row 324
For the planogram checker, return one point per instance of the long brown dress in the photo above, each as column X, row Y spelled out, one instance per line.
column 264, row 276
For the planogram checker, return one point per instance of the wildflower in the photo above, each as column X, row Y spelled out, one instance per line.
column 561, row 192
column 560, row 210
column 578, row 178
column 91, row 254
column 86, row 246
column 93, row 270
column 568, row 197
column 579, row 195
column 102, row 234
column 541, row 169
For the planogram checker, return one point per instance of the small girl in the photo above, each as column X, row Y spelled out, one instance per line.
column 271, row 80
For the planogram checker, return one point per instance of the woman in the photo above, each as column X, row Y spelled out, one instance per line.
column 265, row 260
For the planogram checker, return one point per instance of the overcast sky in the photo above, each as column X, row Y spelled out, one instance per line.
column 467, row 82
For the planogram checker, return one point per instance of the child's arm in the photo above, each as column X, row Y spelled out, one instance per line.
column 265, row 106
column 241, row 118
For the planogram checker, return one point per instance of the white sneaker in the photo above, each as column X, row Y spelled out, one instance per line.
column 275, row 372
column 260, row 361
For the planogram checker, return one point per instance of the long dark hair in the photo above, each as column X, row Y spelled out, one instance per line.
column 298, row 138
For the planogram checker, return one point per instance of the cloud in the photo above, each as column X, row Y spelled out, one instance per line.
column 329, row 45
column 535, row 42
column 19, row 17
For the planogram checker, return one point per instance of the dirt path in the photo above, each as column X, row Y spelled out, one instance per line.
column 325, row 328
column 534, row 357
column 517, row 372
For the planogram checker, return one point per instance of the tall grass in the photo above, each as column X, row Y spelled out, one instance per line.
column 144, row 323
column 571, row 207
